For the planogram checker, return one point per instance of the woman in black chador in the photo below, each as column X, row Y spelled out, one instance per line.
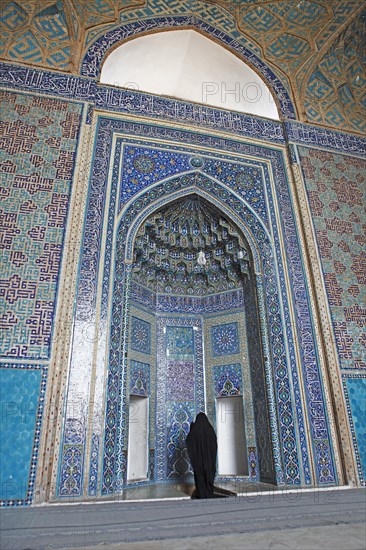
column 202, row 449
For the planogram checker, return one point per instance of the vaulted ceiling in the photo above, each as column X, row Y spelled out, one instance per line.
column 190, row 248
column 317, row 48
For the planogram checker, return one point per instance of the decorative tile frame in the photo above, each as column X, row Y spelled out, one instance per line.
column 225, row 339
column 39, row 413
column 128, row 224
column 238, row 208
column 107, row 127
column 357, row 424
column 227, row 380
column 180, row 186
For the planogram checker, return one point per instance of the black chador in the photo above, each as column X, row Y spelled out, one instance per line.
column 202, row 449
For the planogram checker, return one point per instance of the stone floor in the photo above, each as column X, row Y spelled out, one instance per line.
column 242, row 517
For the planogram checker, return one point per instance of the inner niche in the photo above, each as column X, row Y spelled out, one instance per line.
column 194, row 335
column 190, row 249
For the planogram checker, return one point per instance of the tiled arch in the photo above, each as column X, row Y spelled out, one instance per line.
column 286, row 453
column 95, row 55
column 196, row 189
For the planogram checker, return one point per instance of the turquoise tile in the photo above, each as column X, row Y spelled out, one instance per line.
column 19, row 395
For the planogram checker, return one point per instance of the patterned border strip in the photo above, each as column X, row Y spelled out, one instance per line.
column 138, row 103
column 346, row 377
column 308, row 350
column 325, row 139
column 37, row 432
column 118, row 100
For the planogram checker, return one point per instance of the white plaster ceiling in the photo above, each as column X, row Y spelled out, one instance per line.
column 186, row 65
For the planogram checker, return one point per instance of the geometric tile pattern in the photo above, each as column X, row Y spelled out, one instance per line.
column 38, row 142
column 139, row 378
column 225, row 339
column 337, row 195
column 282, row 31
column 280, row 341
column 22, row 390
column 227, row 379
column 355, row 392
column 335, row 93
column 140, row 335
column 179, row 341
column 35, row 33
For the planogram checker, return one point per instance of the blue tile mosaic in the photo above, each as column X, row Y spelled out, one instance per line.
column 151, row 200
column 38, row 146
column 20, row 391
column 228, row 380
column 235, row 206
column 179, row 341
column 140, row 335
column 248, row 178
column 139, row 378
column 355, row 393
column 291, row 447
column 94, row 466
column 225, row 339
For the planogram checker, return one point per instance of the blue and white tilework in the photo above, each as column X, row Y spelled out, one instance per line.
column 139, row 378
column 225, row 339
column 140, row 335
column 220, row 195
column 354, row 386
column 237, row 176
column 228, row 380
column 22, row 390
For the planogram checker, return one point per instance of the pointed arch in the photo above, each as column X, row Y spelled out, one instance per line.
column 195, row 183
column 95, row 55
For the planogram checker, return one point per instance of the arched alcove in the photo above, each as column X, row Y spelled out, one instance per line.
column 187, row 65
column 193, row 341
